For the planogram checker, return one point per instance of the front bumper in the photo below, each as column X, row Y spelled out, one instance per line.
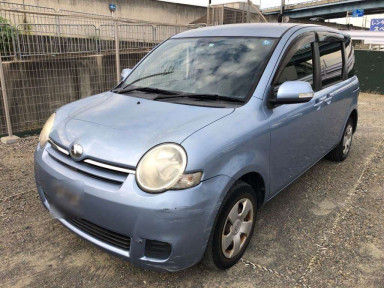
column 182, row 218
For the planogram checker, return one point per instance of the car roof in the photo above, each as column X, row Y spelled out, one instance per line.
column 273, row 30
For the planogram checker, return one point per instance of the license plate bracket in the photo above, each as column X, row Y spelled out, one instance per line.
column 66, row 198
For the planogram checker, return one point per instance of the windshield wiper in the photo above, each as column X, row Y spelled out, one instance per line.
column 210, row 97
column 147, row 77
column 174, row 95
column 144, row 89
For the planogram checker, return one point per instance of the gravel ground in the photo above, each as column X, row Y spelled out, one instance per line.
column 325, row 230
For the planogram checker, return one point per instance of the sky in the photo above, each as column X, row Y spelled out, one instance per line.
column 272, row 3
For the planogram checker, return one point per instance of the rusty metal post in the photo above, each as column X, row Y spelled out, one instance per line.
column 10, row 138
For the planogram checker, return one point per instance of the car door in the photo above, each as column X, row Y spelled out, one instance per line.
column 336, row 89
column 295, row 129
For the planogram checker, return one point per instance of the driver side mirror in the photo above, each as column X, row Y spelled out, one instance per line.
column 291, row 92
column 124, row 74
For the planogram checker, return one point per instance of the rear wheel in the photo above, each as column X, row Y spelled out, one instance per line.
column 233, row 229
column 341, row 151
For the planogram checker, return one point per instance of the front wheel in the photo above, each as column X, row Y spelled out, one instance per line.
column 341, row 151
column 233, row 229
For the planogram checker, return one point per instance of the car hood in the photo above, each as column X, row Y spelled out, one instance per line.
column 119, row 129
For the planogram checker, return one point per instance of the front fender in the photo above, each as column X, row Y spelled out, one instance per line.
column 233, row 146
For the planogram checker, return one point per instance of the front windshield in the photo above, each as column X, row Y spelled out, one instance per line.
column 222, row 66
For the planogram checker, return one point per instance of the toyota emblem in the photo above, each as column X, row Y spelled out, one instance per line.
column 76, row 151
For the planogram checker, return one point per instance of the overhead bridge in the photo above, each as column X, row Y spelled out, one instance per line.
column 328, row 9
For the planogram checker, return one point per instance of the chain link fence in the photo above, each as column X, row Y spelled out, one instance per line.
column 50, row 58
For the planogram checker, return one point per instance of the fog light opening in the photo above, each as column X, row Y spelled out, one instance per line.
column 157, row 249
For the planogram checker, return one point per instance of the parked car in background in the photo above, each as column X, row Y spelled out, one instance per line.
column 171, row 166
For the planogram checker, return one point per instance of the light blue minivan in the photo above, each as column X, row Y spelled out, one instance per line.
column 170, row 167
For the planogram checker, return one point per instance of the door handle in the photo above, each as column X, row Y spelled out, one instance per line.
column 318, row 103
column 328, row 98
column 320, row 100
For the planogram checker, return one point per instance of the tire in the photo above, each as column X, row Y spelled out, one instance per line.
column 242, row 195
column 341, row 151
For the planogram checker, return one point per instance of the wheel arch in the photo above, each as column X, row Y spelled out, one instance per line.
column 256, row 181
column 354, row 115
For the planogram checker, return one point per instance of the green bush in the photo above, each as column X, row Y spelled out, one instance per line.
column 6, row 33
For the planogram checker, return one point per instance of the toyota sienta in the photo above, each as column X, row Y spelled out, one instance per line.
column 170, row 167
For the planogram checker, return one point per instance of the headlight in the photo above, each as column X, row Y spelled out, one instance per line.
column 44, row 135
column 162, row 169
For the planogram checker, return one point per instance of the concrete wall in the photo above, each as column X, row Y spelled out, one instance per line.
column 147, row 10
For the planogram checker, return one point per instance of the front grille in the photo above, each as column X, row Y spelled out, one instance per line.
column 86, row 168
column 107, row 236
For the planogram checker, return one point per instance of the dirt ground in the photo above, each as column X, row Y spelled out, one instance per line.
column 325, row 230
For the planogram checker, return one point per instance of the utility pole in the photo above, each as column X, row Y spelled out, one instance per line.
column 112, row 8
column 281, row 15
column 208, row 10
column 348, row 20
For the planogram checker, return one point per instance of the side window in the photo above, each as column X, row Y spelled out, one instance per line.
column 348, row 47
column 331, row 62
column 299, row 67
column 350, row 57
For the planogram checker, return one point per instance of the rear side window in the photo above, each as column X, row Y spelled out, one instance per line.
column 331, row 62
column 299, row 67
column 348, row 48
column 350, row 57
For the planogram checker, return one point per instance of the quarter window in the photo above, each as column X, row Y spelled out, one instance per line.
column 350, row 58
column 331, row 62
column 299, row 67
column 348, row 47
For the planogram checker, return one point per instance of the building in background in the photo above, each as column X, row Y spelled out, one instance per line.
column 143, row 10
